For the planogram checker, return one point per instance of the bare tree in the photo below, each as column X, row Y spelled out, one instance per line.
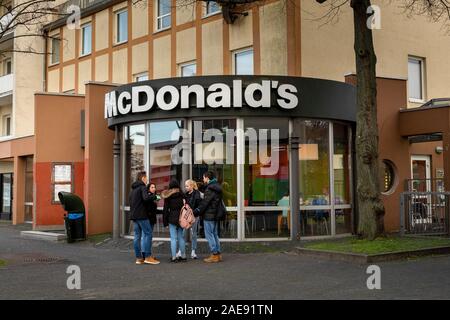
column 370, row 206
column 23, row 19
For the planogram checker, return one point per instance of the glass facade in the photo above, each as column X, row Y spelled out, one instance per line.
column 250, row 158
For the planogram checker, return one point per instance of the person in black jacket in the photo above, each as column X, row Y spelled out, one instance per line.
column 208, row 210
column 193, row 198
column 173, row 202
column 152, row 206
column 139, row 196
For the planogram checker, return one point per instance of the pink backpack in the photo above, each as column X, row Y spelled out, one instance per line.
column 187, row 217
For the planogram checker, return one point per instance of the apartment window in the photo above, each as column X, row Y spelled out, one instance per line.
column 243, row 62
column 7, row 66
column 86, row 42
column 188, row 69
column 122, row 26
column 55, row 50
column 212, row 7
column 163, row 18
column 416, row 80
column 141, row 77
column 7, row 125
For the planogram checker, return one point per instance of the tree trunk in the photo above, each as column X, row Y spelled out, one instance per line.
column 370, row 206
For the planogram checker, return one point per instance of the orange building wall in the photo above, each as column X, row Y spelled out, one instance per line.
column 57, row 139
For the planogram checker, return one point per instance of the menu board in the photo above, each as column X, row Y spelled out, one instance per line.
column 63, row 173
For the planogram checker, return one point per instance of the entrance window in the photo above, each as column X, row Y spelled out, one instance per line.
column 214, row 149
column 6, row 191
column 164, row 163
column 29, row 199
column 266, row 178
column 314, row 158
column 134, row 145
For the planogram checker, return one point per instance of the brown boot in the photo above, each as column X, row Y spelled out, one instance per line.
column 214, row 258
column 151, row 260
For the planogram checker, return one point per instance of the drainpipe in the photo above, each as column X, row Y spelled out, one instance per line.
column 116, row 155
column 44, row 69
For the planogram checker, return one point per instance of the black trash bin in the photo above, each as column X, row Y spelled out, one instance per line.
column 75, row 218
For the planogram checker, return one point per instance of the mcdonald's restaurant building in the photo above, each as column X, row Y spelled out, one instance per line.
column 133, row 90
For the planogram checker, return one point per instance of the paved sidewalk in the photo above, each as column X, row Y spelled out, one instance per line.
column 37, row 270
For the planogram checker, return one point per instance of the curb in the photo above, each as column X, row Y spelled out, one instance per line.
column 371, row 258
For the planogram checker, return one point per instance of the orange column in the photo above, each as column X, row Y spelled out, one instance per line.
column 19, row 190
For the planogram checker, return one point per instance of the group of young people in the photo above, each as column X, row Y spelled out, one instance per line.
column 143, row 211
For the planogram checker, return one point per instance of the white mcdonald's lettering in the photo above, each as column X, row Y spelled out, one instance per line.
column 142, row 98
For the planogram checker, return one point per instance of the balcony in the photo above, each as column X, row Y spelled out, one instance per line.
column 6, row 89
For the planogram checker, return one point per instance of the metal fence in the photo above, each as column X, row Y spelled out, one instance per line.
column 424, row 213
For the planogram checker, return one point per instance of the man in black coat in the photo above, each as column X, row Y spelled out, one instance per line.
column 143, row 230
column 208, row 210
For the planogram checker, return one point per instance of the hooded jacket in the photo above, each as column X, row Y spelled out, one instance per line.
column 173, row 202
column 139, row 196
column 210, row 202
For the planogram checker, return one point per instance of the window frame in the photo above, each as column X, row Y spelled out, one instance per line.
column 5, row 119
column 117, row 41
column 185, row 64
column 422, row 79
column 159, row 18
column 138, row 75
column 239, row 51
column 207, row 14
column 54, row 183
column 55, row 39
column 83, row 27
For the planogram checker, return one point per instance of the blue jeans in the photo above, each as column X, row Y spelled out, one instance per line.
column 194, row 233
column 212, row 235
column 176, row 235
column 143, row 235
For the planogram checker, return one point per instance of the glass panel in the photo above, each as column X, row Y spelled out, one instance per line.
column 215, row 150
column 189, row 70
column 122, row 26
column 315, row 222
column 266, row 175
column 134, row 160
column 341, row 164
column 55, row 50
column 29, row 180
column 7, row 193
column 163, row 137
column 314, row 163
column 415, row 78
column 87, row 39
column 164, row 17
column 267, row 224
column 142, row 77
column 244, row 63
column 343, row 221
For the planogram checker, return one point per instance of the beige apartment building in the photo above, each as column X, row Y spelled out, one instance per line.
column 120, row 43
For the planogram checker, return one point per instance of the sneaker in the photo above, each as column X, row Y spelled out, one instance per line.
column 139, row 261
column 173, row 260
column 178, row 254
column 181, row 259
column 214, row 258
column 151, row 260
column 193, row 255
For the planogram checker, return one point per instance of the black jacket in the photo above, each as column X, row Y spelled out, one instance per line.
column 138, row 197
column 193, row 199
column 173, row 202
column 152, row 209
column 210, row 202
